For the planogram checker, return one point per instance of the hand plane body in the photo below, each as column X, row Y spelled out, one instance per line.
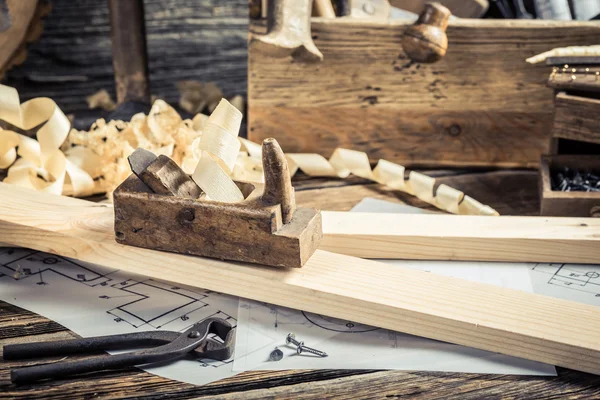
column 158, row 208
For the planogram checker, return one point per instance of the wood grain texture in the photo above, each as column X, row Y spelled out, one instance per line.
column 511, row 191
column 466, row 238
column 511, row 322
column 459, row 8
column 575, row 81
column 576, row 118
column 203, row 40
column 480, row 105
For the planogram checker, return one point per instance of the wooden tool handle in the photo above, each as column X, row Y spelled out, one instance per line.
column 426, row 40
column 130, row 54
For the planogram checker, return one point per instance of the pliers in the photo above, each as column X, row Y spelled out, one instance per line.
column 197, row 341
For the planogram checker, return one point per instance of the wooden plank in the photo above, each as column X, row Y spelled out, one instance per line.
column 420, row 303
column 459, row 8
column 576, row 118
column 470, row 109
column 578, row 81
column 453, row 237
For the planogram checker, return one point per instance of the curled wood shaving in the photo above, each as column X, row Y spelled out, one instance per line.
column 571, row 51
column 207, row 146
column 217, row 151
column 41, row 164
column 344, row 162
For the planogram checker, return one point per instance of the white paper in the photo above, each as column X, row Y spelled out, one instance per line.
column 93, row 301
column 575, row 282
column 262, row 327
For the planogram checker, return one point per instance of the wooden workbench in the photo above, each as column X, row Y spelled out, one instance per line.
column 510, row 192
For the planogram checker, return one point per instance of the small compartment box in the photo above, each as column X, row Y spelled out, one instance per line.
column 573, row 203
column 574, row 146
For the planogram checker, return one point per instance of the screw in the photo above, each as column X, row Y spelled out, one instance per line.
column 188, row 215
column 302, row 349
column 291, row 338
column 276, row 355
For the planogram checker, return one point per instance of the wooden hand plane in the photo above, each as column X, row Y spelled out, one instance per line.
column 160, row 207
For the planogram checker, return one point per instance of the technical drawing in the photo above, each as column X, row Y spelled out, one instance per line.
column 336, row 324
column 28, row 264
column 93, row 300
column 584, row 278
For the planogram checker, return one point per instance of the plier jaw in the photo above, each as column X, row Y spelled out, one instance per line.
column 212, row 338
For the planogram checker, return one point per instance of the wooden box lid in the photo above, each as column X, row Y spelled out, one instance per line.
column 576, row 118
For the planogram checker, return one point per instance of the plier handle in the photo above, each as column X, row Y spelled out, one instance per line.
column 196, row 341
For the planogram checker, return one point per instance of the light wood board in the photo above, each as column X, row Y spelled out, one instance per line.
column 481, row 105
column 462, row 237
column 482, row 316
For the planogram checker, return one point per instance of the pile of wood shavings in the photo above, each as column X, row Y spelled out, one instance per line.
column 108, row 144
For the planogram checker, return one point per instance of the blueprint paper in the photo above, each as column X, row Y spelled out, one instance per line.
column 93, row 301
column 575, row 282
column 262, row 327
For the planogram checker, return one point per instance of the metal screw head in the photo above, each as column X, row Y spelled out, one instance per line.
column 194, row 334
column 276, row 355
column 188, row 215
column 289, row 338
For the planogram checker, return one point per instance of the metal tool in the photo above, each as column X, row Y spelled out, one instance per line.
column 197, row 341
column 276, row 355
column 301, row 348
column 289, row 31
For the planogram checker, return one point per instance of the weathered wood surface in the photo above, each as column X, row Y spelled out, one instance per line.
column 520, row 197
column 576, row 118
column 203, row 40
column 480, row 105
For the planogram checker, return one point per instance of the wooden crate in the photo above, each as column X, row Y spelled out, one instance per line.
column 572, row 204
column 482, row 105
column 576, row 119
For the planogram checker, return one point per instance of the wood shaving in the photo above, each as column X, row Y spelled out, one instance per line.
column 206, row 147
column 101, row 99
column 571, row 51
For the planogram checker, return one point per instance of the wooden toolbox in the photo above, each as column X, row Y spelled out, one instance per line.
column 576, row 129
column 481, row 105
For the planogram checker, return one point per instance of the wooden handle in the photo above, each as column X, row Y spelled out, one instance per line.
column 278, row 182
column 130, row 55
column 426, row 40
